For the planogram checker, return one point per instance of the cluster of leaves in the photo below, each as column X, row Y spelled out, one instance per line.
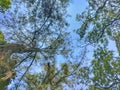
column 100, row 24
column 4, row 4
column 105, row 69
column 1, row 38
column 99, row 20
column 50, row 78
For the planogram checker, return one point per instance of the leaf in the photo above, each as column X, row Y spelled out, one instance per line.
column 2, row 41
column 4, row 4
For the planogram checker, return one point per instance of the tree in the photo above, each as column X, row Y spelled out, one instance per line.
column 35, row 35
column 106, row 70
column 52, row 78
column 55, row 78
column 100, row 25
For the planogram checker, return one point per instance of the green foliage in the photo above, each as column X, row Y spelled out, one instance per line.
column 116, row 37
column 102, row 27
column 2, row 41
column 52, row 78
column 101, row 20
column 4, row 4
column 105, row 69
column 3, row 83
column 42, row 29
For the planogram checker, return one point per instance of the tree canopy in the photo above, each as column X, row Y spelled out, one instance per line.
column 100, row 26
column 37, row 52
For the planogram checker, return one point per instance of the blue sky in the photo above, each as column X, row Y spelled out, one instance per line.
column 75, row 7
